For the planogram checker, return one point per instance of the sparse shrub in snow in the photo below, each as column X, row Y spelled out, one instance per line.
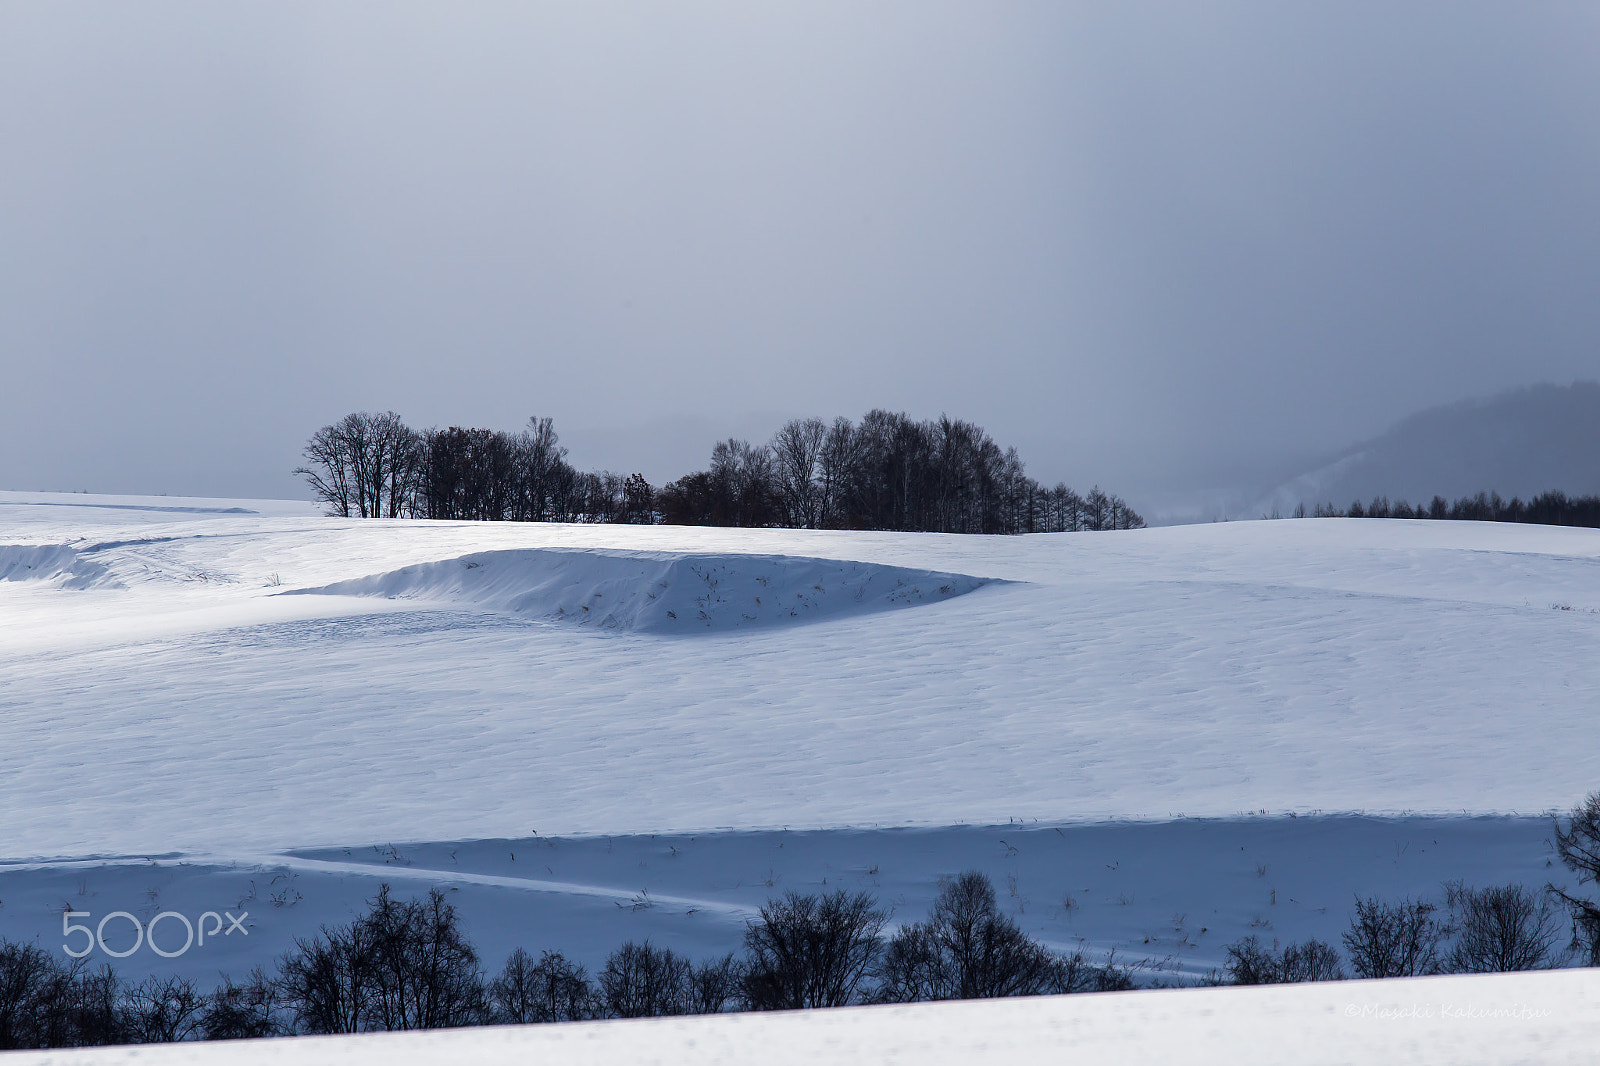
column 1502, row 929
column 1251, row 964
column 1394, row 939
column 811, row 951
column 1579, row 847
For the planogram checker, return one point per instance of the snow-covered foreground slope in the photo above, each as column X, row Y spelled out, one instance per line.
column 185, row 727
column 1546, row 1018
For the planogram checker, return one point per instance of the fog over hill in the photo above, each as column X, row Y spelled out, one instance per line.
column 1519, row 443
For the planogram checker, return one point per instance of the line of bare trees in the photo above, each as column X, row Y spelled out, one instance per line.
column 408, row 965
column 885, row 472
column 1500, row 929
column 375, row 466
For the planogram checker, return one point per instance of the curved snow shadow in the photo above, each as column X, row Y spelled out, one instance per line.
column 56, row 563
column 659, row 592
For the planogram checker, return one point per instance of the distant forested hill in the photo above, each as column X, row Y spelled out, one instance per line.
column 1519, row 443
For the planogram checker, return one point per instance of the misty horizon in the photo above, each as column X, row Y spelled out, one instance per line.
column 1168, row 251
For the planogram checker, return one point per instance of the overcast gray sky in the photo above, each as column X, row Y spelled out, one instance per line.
column 1155, row 245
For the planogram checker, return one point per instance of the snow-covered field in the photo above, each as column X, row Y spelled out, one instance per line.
column 1551, row 1019
column 1155, row 741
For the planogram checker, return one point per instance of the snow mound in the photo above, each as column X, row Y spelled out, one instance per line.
column 659, row 592
column 57, row 563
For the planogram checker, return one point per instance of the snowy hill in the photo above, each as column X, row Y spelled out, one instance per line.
column 1200, row 670
column 239, row 703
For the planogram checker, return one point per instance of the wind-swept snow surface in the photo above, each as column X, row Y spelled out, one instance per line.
column 1547, row 1018
column 180, row 702
column 241, row 705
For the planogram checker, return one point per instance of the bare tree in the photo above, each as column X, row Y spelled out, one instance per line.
column 331, row 470
column 164, row 1010
column 551, row 990
column 834, row 465
column 965, row 950
column 46, row 1004
column 797, row 456
column 1097, row 510
column 363, row 465
column 1578, row 844
column 542, row 471
column 1394, row 940
column 244, row 1011
column 713, row 984
column 811, row 951
column 1500, row 930
column 638, row 501
column 424, row 971
column 1249, row 963
column 27, row 976
column 325, row 982
column 742, row 474
column 640, row 981
column 402, row 965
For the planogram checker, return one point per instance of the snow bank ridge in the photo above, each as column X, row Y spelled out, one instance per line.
column 52, row 562
column 659, row 592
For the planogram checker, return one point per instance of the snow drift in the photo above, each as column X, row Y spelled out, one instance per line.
column 659, row 592
column 51, row 562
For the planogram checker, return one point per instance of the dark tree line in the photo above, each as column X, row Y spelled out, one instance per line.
column 375, row 466
column 1546, row 509
column 1501, row 929
column 407, row 965
column 886, row 472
